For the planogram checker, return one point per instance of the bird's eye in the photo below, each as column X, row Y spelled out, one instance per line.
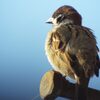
column 60, row 17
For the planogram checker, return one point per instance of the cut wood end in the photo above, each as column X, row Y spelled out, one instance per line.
column 47, row 84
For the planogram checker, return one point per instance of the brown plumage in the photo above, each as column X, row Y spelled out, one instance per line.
column 71, row 48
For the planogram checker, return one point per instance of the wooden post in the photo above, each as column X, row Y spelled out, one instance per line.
column 53, row 84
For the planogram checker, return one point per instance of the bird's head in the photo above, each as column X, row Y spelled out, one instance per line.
column 65, row 14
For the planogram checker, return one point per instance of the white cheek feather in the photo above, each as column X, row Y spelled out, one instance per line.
column 67, row 21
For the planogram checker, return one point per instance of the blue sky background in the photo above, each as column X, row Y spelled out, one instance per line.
column 22, row 37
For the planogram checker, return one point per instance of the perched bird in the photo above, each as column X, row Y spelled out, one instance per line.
column 71, row 48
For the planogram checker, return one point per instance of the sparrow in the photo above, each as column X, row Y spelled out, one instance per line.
column 71, row 49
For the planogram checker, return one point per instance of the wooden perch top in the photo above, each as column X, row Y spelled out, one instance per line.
column 53, row 84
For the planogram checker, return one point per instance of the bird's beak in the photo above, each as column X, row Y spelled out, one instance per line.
column 50, row 21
